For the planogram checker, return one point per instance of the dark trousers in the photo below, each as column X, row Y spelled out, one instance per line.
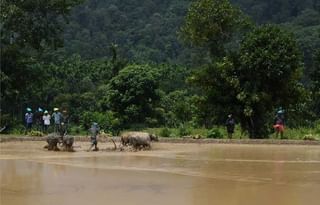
column 57, row 128
column 28, row 127
column 45, row 128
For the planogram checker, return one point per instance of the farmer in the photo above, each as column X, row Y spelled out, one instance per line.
column 279, row 123
column 57, row 116
column 65, row 118
column 28, row 119
column 230, row 123
column 62, row 131
column 64, row 122
column 46, row 121
column 94, row 131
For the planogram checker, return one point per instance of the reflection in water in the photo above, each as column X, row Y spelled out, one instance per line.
column 176, row 174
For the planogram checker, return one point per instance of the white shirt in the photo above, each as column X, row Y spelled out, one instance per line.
column 46, row 119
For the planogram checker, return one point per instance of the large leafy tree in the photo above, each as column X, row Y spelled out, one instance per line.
column 269, row 72
column 211, row 24
column 218, row 85
column 132, row 94
column 264, row 73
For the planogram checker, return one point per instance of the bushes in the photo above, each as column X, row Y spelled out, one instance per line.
column 215, row 133
column 317, row 127
column 165, row 132
column 107, row 121
column 35, row 133
column 183, row 130
column 76, row 130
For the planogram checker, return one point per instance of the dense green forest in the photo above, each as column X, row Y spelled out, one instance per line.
column 151, row 63
column 146, row 31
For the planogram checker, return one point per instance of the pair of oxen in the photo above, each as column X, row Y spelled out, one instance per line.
column 138, row 140
column 64, row 142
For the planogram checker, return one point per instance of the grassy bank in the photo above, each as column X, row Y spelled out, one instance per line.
column 218, row 132
column 221, row 133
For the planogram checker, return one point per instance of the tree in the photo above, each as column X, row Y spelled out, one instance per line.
column 269, row 72
column 264, row 75
column 176, row 107
column 218, row 90
column 211, row 24
column 315, row 77
column 132, row 94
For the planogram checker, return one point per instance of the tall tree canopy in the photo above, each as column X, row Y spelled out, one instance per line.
column 211, row 24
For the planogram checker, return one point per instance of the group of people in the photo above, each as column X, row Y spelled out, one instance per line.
column 278, row 124
column 43, row 119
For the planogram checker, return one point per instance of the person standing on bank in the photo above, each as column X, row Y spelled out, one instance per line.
column 28, row 120
column 57, row 117
column 230, row 124
column 38, row 119
column 46, row 121
column 279, row 123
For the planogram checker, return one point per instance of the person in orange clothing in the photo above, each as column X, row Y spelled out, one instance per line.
column 279, row 123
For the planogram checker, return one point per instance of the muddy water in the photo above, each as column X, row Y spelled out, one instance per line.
column 177, row 174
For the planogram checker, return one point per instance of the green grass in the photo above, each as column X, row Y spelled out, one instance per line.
column 300, row 133
column 289, row 133
column 174, row 132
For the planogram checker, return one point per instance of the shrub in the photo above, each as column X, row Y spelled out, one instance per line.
column 317, row 127
column 18, row 129
column 76, row 129
column 35, row 133
column 310, row 137
column 107, row 121
column 183, row 131
column 215, row 133
column 165, row 132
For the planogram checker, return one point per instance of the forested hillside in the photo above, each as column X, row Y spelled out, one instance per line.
column 130, row 64
column 146, row 30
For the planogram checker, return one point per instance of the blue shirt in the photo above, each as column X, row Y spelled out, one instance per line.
column 28, row 117
column 57, row 117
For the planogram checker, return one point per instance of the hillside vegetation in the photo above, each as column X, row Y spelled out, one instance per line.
column 130, row 64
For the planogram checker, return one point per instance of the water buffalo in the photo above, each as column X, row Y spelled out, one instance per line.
column 52, row 141
column 138, row 140
column 66, row 142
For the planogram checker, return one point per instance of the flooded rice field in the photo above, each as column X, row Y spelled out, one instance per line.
column 177, row 174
